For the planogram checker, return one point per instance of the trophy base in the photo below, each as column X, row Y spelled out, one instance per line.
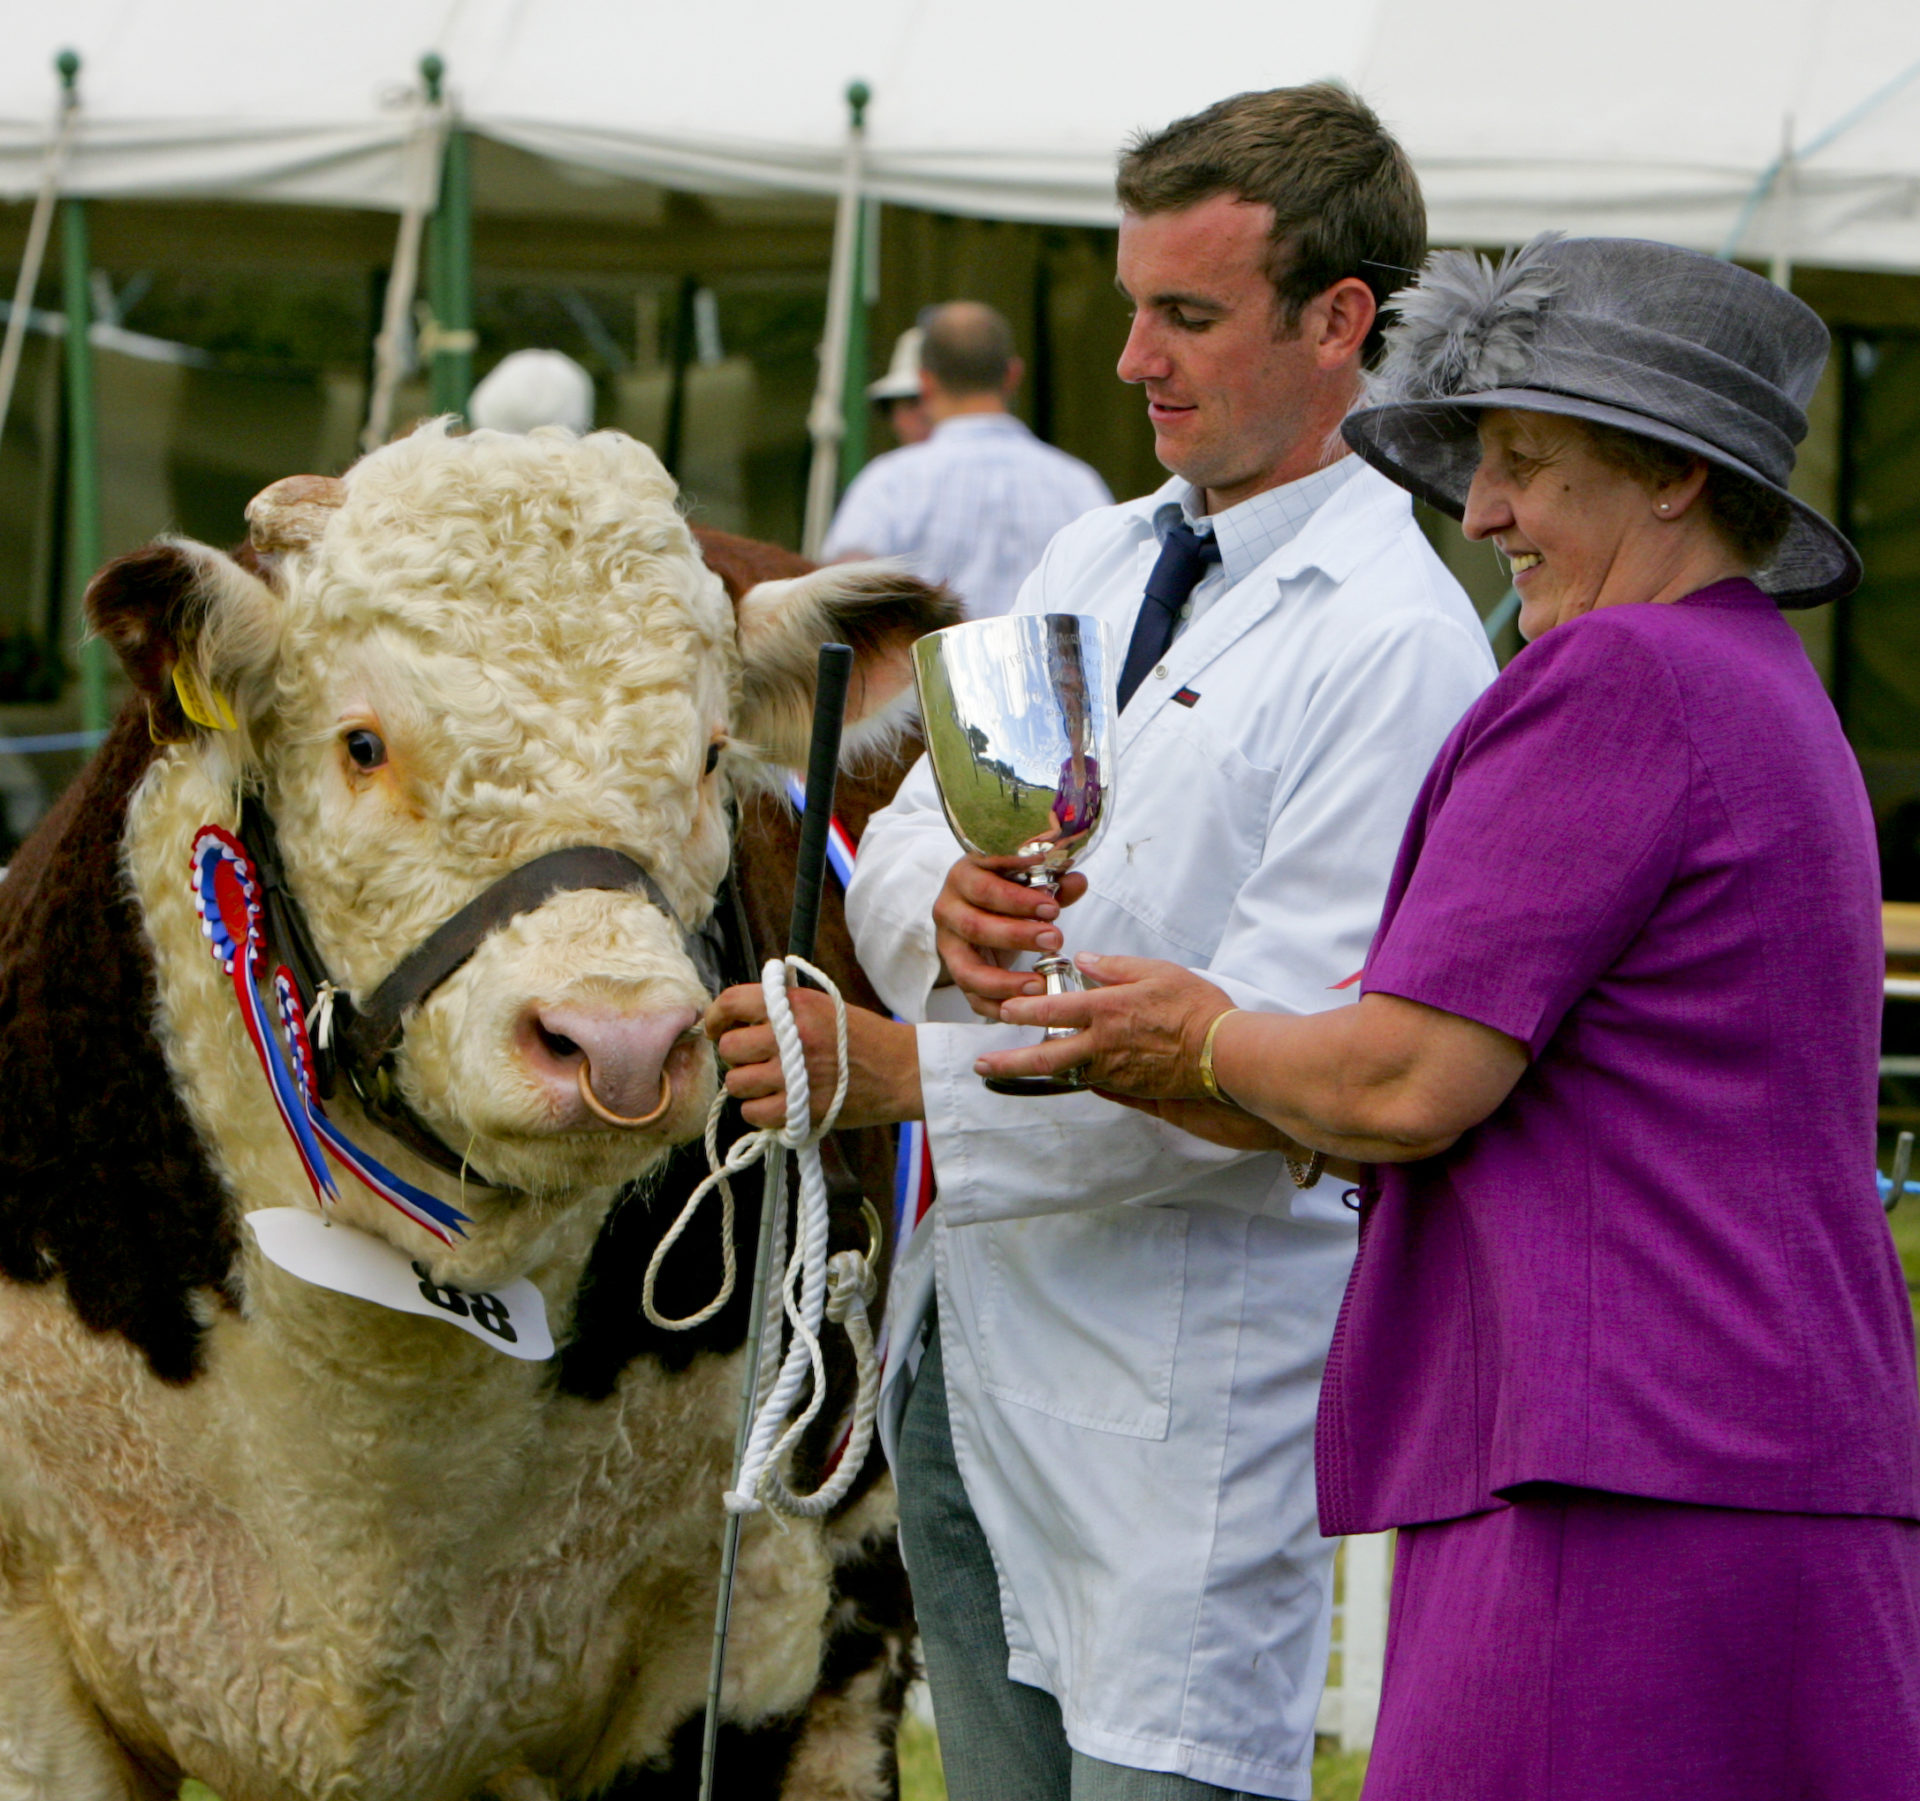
column 1061, row 978
column 1031, row 1085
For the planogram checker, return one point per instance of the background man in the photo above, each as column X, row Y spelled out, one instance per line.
column 1105, row 1461
column 975, row 505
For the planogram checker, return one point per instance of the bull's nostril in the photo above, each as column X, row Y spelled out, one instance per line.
column 558, row 1044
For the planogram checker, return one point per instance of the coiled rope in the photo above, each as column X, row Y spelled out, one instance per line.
column 813, row 1287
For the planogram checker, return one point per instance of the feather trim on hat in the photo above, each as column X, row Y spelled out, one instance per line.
column 1468, row 326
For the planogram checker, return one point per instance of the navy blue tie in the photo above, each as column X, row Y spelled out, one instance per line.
column 1185, row 556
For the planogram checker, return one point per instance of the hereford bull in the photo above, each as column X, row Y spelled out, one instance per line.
column 286, row 1541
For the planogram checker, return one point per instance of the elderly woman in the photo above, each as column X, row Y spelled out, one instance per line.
column 1626, row 1355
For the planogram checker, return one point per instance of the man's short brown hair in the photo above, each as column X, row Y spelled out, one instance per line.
column 1344, row 196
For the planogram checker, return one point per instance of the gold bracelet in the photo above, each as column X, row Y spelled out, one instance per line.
column 1304, row 1174
column 1208, row 1080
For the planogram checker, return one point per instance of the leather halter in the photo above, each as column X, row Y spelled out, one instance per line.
column 365, row 1037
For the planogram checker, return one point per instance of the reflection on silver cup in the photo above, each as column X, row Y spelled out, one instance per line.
column 1019, row 715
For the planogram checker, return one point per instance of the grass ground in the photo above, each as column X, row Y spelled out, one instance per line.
column 1905, row 1220
column 1336, row 1776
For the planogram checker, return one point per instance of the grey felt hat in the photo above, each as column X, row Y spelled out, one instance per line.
column 1670, row 344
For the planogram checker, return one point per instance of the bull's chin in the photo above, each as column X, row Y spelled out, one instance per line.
column 552, row 1165
column 548, row 1163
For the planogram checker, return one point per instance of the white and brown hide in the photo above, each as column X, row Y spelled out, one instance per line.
column 289, row 1543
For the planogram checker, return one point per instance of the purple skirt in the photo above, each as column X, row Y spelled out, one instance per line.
column 1580, row 1646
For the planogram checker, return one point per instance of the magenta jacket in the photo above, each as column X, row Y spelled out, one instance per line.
column 1660, row 1267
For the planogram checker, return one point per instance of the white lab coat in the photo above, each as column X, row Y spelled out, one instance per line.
column 1133, row 1321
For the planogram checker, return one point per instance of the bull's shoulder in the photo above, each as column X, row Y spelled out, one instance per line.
column 103, row 1182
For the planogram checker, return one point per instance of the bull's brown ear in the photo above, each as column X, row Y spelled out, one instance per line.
column 875, row 607
column 189, row 626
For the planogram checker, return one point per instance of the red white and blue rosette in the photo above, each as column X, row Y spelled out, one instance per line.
column 226, row 895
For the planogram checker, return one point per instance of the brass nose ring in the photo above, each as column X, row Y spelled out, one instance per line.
column 603, row 1111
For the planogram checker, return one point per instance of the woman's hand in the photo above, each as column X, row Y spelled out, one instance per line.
column 1139, row 1033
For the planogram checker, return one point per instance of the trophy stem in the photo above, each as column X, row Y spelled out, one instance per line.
column 1061, row 978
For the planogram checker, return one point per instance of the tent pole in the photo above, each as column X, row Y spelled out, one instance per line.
column 41, row 228
column 674, row 438
column 827, row 421
column 854, row 411
column 1780, row 265
column 421, row 161
column 83, row 456
column 449, row 342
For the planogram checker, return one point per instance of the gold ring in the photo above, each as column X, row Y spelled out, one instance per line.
column 614, row 1119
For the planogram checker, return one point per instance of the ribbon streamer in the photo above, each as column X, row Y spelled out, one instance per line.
column 226, row 895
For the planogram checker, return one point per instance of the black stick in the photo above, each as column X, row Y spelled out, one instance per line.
column 835, row 668
column 835, row 671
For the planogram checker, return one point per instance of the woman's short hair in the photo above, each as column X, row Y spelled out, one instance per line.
column 1753, row 520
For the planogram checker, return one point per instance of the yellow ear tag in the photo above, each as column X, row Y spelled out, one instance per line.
column 203, row 703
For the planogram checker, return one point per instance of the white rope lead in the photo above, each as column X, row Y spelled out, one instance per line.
column 812, row 1288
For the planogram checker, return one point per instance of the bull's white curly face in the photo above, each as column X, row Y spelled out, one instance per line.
column 467, row 653
column 480, row 650
column 501, row 646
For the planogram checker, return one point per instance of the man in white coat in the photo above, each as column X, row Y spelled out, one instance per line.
column 1105, row 1460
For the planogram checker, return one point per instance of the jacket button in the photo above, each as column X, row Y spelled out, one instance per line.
column 1160, row 672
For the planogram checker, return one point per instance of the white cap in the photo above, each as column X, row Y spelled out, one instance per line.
column 902, row 379
column 532, row 388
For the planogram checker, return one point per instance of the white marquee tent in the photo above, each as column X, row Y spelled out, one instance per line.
column 1665, row 118
column 1788, row 130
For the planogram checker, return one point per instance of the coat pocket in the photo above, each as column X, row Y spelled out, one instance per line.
column 1082, row 1315
column 1189, row 833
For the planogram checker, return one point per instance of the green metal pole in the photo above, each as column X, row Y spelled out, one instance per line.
column 450, row 265
column 83, row 450
column 853, row 395
column 456, row 206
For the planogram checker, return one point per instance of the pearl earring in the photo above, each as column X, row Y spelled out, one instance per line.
column 1666, row 506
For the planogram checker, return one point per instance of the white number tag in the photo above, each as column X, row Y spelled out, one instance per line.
column 511, row 1318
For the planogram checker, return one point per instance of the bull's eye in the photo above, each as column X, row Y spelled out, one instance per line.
column 713, row 756
column 366, row 748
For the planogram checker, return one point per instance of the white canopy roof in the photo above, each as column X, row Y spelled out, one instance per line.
column 1662, row 118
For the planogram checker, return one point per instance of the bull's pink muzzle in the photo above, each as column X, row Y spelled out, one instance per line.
column 602, row 1066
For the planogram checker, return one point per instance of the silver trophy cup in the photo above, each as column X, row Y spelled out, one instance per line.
column 1019, row 717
